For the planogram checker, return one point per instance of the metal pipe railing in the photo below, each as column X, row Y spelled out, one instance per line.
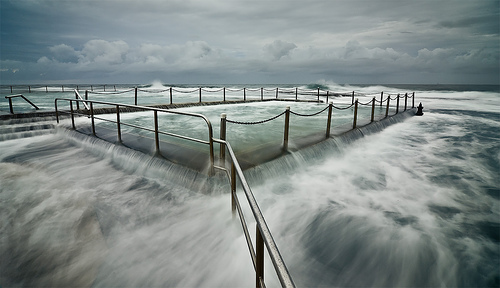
column 143, row 108
column 21, row 96
column 263, row 235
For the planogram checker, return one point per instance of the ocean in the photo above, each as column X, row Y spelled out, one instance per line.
column 416, row 204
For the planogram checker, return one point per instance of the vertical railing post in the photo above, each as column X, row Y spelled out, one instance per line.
column 352, row 98
column 327, row 92
column 72, row 115
column 224, row 93
column 135, row 95
column 413, row 100
column 223, row 136
column 114, row 86
column 233, row 188
column 355, row 114
column 397, row 104
column 200, row 95
column 92, row 117
column 170, row 95
column 373, row 109
column 381, row 98
column 287, row 126
column 46, row 89
column 86, row 94
column 329, row 121
column 157, row 136
column 29, row 89
column 318, row 94
column 92, row 88
column 406, row 100
column 387, row 109
column 261, row 94
column 244, row 94
column 62, row 88
column 10, row 89
column 10, row 106
column 276, row 92
column 259, row 255
column 104, row 87
column 77, row 102
column 296, row 93
column 118, row 125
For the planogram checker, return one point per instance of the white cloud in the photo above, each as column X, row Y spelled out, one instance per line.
column 103, row 52
column 279, row 49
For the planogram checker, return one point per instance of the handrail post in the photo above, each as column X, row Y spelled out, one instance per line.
column 135, row 95
column 224, row 93
column 244, row 94
column 355, row 114
column 92, row 117
column 287, row 126
column 296, row 94
column 233, row 188
column 261, row 94
column 86, row 94
column 352, row 101
column 29, row 89
column 413, row 100
column 318, row 94
column 200, row 95
column 10, row 104
column 327, row 94
column 276, row 92
column 57, row 112
column 46, row 89
column 62, row 88
column 381, row 98
column 72, row 115
column 373, row 109
column 259, row 255
column 157, row 137
column 223, row 117
column 397, row 104
column 170, row 95
column 77, row 102
column 387, row 109
column 406, row 100
column 328, row 123
column 118, row 123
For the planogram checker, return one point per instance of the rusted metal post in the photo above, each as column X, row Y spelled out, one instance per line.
column 355, row 114
column 413, row 100
column 157, row 136
column 224, row 93
column 276, row 92
column 387, row 109
column 72, row 115
column 86, row 94
column 329, row 121
column 92, row 117
column 373, row 109
column 135, row 95
column 244, row 94
column 352, row 101
column 223, row 136
column 381, row 98
column 318, row 94
column 200, row 95
column 261, row 93
column 118, row 125
column 170, row 95
column 406, row 100
column 287, row 126
column 327, row 92
column 259, row 255
column 397, row 104
column 296, row 94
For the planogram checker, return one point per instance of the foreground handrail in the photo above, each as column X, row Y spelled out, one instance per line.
column 19, row 95
column 263, row 234
column 80, row 98
column 143, row 108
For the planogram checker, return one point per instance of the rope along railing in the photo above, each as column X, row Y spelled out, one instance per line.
column 263, row 235
column 330, row 108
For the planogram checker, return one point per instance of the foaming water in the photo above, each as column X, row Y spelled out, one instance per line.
column 412, row 204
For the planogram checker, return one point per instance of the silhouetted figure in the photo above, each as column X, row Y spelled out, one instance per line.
column 419, row 110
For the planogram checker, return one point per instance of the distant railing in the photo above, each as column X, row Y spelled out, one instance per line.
column 263, row 234
column 330, row 107
column 21, row 96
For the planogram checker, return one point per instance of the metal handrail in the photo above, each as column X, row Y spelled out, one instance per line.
column 144, row 108
column 19, row 95
column 80, row 97
column 263, row 234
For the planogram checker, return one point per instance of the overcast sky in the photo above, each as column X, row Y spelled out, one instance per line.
column 257, row 41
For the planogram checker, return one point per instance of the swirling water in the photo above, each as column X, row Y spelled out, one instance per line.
column 413, row 205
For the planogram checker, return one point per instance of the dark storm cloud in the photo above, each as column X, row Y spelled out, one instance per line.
column 247, row 41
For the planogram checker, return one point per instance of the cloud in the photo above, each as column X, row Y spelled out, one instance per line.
column 101, row 51
column 279, row 49
column 64, row 53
